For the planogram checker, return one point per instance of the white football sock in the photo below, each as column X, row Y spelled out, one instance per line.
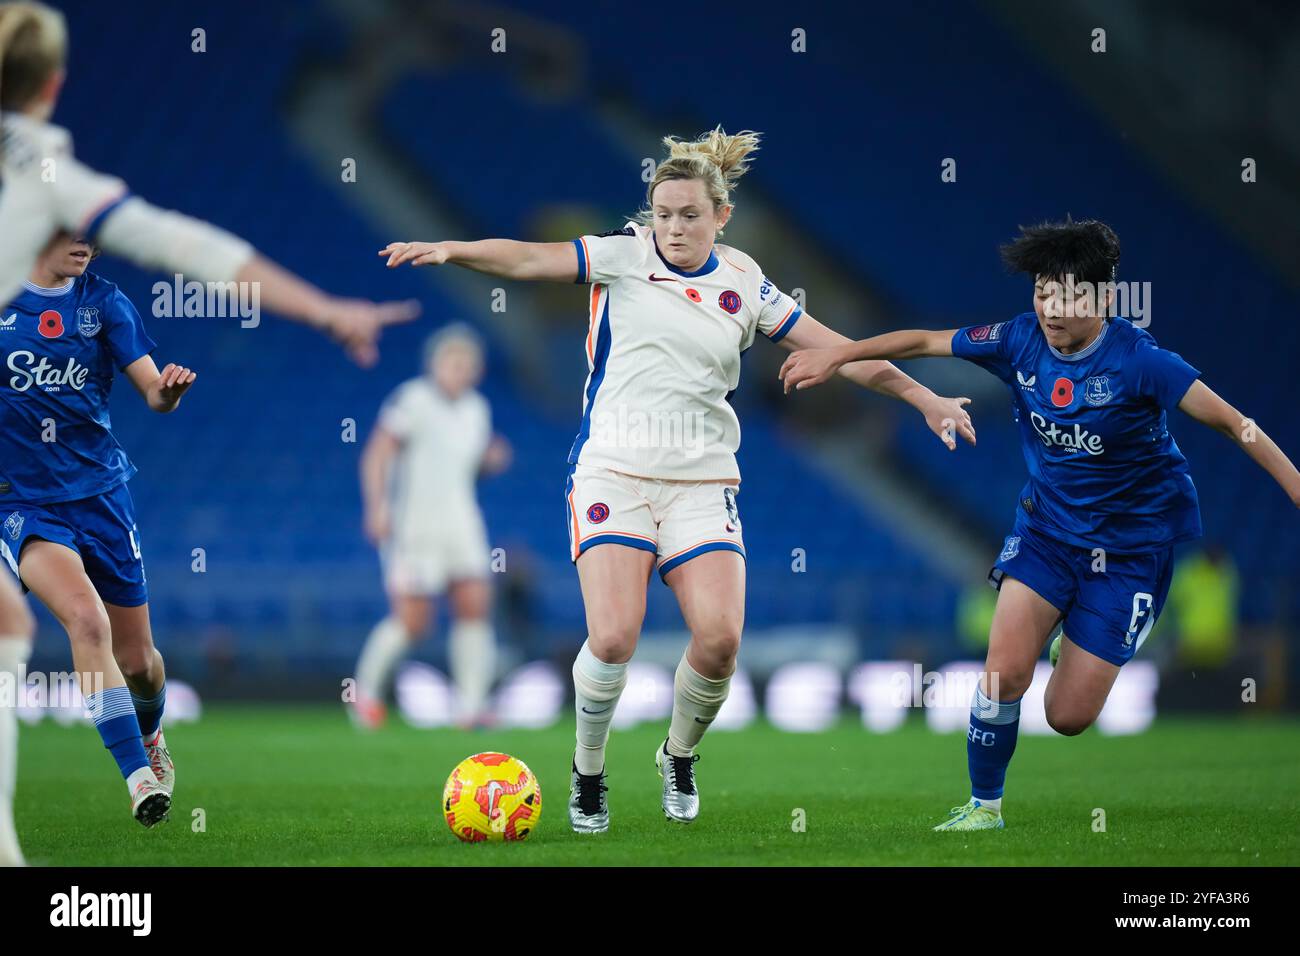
column 598, row 686
column 696, row 702
column 138, row 777
column 995, row 804
column 13, row 677
column 385, row 646
column 471, row 652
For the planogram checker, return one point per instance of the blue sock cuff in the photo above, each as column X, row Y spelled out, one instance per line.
column 993, row 712
column 150, row 711
column 155, row 701
column 110, row 704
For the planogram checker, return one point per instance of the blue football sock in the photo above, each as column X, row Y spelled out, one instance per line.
column 149, row 710
column 116, row 722
column 990, row 742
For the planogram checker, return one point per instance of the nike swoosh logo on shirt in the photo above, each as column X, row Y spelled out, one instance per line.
column 655, row 278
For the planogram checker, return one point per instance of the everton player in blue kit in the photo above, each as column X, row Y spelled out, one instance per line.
column 68, row 526
column 1108, row 496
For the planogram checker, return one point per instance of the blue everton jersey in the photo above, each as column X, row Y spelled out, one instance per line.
column 1104, row 472
column 60, row 349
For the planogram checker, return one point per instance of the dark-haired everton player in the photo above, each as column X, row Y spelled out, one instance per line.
column 1109, row 493
column 68, row 527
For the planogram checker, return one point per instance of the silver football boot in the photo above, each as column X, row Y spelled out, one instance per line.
column 588, row 808
column 681, row 801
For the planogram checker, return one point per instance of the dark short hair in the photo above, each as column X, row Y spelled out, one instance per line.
column 1088, row 250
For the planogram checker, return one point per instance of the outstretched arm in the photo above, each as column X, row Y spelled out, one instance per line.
column 546, row 261
column 163, row 239
column 820, row 352
column 355, row 324
column 99, row 209
column 162, row 391
column 1209, row 409
column 816, row 365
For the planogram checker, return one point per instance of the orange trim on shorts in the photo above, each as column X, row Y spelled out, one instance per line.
column 622, row 534
column 573, row 538
column 698, row 543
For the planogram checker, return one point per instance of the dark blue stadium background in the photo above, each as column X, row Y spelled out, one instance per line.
column 253, row 470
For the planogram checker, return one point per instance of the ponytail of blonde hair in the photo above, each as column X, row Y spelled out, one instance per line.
column 717, row 158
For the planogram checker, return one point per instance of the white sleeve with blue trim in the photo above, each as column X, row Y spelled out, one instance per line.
column 171, row 241
column 80, row 194
column 777, row 312
column 609, row 255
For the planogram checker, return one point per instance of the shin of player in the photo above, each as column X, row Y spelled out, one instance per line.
column 16, row 628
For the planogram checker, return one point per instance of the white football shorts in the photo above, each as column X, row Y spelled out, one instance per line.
column 673, row 520
column 426, row 563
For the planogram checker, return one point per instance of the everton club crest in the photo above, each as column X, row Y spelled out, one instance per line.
column 88, row 322
column 1097, row 390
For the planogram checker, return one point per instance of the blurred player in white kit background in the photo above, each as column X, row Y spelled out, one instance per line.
column 432, row 441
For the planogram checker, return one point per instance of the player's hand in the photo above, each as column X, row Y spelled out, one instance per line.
column 357, row 324
column 416, row 253
column 172, row 382
column 947, row 418
column 808, row 367
column 497, row 457
column 377, row 525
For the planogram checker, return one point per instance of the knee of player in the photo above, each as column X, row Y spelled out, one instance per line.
column 720, row 640
column 472, row 608
column 1008, row 683
column 135, row 662
column 1068, row 725
column 87, row 624
column 613, row 642
column 414, row 620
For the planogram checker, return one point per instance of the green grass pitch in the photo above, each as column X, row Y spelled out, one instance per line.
column 301, row 787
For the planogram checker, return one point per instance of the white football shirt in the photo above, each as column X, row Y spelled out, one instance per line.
column 443, row 442
column 663, row 353
column 44, row 190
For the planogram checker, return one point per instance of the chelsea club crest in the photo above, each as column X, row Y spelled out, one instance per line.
column 88, row 322
column 1097, row 390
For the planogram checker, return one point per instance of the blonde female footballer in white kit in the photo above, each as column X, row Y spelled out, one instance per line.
column 45, row 191
column 653, row 477
column 431, row 444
